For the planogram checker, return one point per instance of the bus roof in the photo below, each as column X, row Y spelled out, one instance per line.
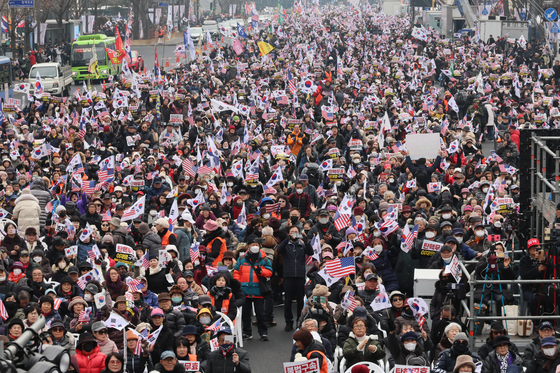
column 97, row 39
column 93, row 37
column 4, row 59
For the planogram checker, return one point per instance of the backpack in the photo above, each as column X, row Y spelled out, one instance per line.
column 314, row 177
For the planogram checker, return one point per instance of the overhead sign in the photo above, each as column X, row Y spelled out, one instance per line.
column 550, row 14
column 21, row 3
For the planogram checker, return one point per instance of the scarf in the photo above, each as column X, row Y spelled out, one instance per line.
column 503, row 360
column 114, row 287
column 14, row 278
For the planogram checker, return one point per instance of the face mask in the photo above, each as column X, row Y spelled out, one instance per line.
column 498, row 224
column 196, row 191
column 514, row 178
column 299, row 191
column 88, row 347
column 378, row 248
column 485, row 190
column 410, row 346
column 153, row 213
column 376, row 234
column 479, row 234
column 37, row 259
column 338, row 183
column 102, row 148
column 266, row 216
column 294, row 236
column 323, row 220
column 548, row 351
column 225, row 147
column 205, row 320
column 460, row 348
column 17, row 271
column 294, row 219
column 447, row 261
column 446, row 216
column 254, row 249
column 459, row 239
column 2, row 279
column 391, row 181
column 230, row 184
column 430, row 234
column 508, row 182
column 87, row 297
column 356, row 160
column 113, row 200
column 177, row 300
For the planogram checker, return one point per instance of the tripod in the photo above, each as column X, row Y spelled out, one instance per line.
column 491, row 267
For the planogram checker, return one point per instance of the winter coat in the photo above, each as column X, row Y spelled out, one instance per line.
column 385, row 271
column 107, row 347
column 218, row 363
column 532, row 350
column 93, row 363
column 164, row 341
column 175, row 321
column 184, row 242
column 68, row 342
column 152, row 241
column 488, row 347
column 27, row 211
column 368, row 296
column 536, row 366
column 245, row 273
column 448, row 358
column 41, row 192
column 401, row 354
column 293, row 257
column 492, row 364
column 157, row 282
column 92, row 219
column 137, row 364
column 353, row 355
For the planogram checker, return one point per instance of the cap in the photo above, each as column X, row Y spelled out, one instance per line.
column 451, row 239
column 460, row 337
column 167, row 354
column 303, row 177
column 97, row 326
column 445, row 248
column 204, row 299
column 548, row 341
column 545, row 325
column 409, row 335
column 157, row 312
column 73, row 269
column 163, row 296
column 372, row 276
column 533, row 242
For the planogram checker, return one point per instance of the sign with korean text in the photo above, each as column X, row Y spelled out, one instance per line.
column 411, row 369
column 454, row 269
column 307, row 366
column 190, row 366
column 429, row 248
column 125, row 254
column 176, row 118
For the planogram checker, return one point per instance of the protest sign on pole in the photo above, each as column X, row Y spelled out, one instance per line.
column 307, row 366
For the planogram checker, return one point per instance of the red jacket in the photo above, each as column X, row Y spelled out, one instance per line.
column 93, row 363
column 245, row 274
column 515, row 137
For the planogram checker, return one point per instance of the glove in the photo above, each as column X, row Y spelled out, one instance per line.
column 391, row 325
column 104, row 265
column 258, row 270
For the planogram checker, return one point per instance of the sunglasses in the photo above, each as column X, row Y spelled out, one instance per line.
column 398, row 298
column 57, row 330
column 102, row 332
column 461, row 342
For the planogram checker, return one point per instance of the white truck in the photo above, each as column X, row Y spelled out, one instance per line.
column 55, row 80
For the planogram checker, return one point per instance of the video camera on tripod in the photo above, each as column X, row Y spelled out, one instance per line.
column 22, row 355
column 493, row 256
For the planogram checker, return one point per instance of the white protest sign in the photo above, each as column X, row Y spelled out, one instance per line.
column 176, row 118
column 307, row 366
column 431, row 245
column 411, row 369
column 190, row 366
column 454, row 269
column 423, row 145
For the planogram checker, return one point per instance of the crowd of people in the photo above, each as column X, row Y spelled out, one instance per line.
column 173, row 200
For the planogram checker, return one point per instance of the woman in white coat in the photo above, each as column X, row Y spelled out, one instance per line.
column 27, row 211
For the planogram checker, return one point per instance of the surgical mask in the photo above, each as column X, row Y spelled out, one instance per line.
column 205, row 320
column 459, row 239
column 446, row 216
column 177, row 300
column 266, row 216
column 376, row 234
column 356, row 160
column 87, row 297
column 254, row 249
column 508, row 182
column 113, row 200
column 410, row 346
column 299, row 191
column 102, row 148
column 153, row 213
column 37, row 259
column 323, row 220
column 338, row 183
column 479, row 234
column 62, row 265
column 548, row 351
column 2, row 279
column 17, row 271
column 498, row 224
column 378, row 248
column 196, row 191
column 430, row 235
column 485, row 190
column 448, row 260
column 230, row 184
column 514, row 178
column 391, row 181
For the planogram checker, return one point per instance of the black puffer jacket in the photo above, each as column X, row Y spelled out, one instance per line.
column 218, row 363
column 157, row 282
column 293, row 257
column 175, row 321
column 164, row 341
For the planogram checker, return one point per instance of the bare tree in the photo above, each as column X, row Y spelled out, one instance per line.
column 59, row 9
column 96, row 4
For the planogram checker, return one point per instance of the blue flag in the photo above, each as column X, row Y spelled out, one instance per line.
column 185, row 39
column 241, row 31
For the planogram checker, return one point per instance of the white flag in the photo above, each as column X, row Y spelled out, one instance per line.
column 117, row 322
column 88, row 230
column 453, row 104
column 135, row 210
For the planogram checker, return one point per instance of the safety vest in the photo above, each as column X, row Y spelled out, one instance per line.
column 223, row 249
column 225, row 302
column 165, row 239
column 324, row 366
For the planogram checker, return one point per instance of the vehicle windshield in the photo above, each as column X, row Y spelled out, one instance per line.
column 82, row 54
column 44, row 72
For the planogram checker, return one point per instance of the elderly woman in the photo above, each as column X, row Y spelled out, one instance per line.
column 12, row 241
column 361, row 347
column 114, row 284
column 502, row 360
column 61, row 337
column 32, row 312
column 27, row 211
column 446, row 342
column 72, row 321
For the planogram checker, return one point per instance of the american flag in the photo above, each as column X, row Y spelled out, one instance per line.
column 387, row 227
column 341, row 267
column 349, row 302
column 57, row 303
column 138, row 348
column 216, row 326
column 49, row 207
column 84, row 316
column 107, row 216
column 282, row 100
column 308, row 260
column 328, row 115
column 195, row 254
column 409, row 236
column 146, row 260
column 89, row 187
column 106, row 170
column 272, row 208
column 133, row 284
column 82, row 131
column 188, row 167
column 371, row 254
column 92, row 255
column 341, row 221
column 211, row 271
column 205, row 170
column 3, row 313
column 252, row 177
column 291, row 84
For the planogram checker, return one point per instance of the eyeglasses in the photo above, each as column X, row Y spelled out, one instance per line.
column 115, row 362
column 57, row 330
column 97, row 204
column 359, row 326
